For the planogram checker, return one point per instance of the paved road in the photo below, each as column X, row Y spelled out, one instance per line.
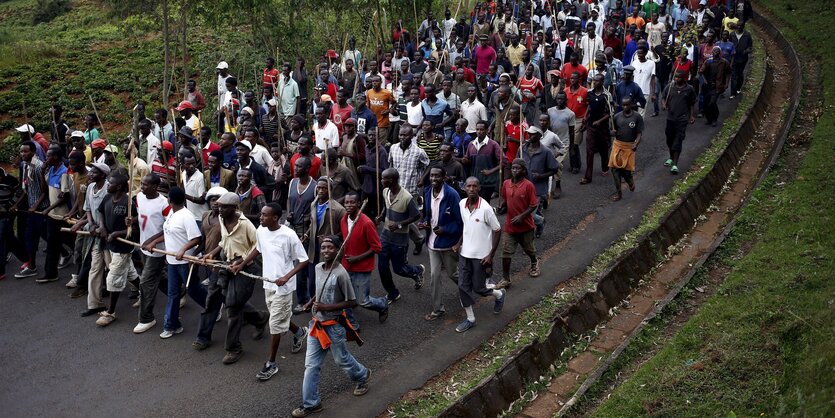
column 56, row 363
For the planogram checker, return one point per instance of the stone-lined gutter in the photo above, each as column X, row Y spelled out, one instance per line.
column 495, row 393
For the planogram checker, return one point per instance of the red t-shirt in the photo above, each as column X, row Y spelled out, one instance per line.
column 206, row 151
column 340, row 114
column 686, row 67
column 569, row 68
column 517, row 132
column 270, row 77
column 534, row 85
column 315, row 163
column 578, row 101
column 469, row 75
column 484, row 56
column 519, row 197
column 363, row 237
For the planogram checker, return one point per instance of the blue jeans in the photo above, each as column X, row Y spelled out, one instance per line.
column 315, row 357
column 177, row 277
column 361, row 283
column 395, row 256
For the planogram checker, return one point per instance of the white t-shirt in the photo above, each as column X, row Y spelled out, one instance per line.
column 195, row 186
column 179, row 228
column 643, row 74
column 261, row 155
column 279, row 249
column 479, row 226
column 414, row 113
column 328, row 134
column 473, row 112
column 153, row 145
column 151, row 217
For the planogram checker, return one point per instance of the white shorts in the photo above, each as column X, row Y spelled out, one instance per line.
column 121, row 271
column 281, row 310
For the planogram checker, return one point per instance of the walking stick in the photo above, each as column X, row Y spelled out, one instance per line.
column 339, row 253
column 97, row 114
column 131, row 156
column 377, row 169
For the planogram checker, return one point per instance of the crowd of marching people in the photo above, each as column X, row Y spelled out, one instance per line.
column 453, row 139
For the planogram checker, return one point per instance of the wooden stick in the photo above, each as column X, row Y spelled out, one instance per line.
column 97, row 114
column 189, row 258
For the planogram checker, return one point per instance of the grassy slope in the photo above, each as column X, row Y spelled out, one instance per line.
column 765, row 343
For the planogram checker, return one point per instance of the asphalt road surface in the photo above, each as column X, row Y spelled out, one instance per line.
column 57, row 363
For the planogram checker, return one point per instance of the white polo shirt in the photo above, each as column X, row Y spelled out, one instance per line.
column 479, row 226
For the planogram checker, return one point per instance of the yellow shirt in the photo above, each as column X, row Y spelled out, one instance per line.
column 140, row 170
column 240, row 240
column 726, row 22
column 514, row 54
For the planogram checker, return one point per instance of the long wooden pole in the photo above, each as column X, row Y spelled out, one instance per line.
column 96, row 113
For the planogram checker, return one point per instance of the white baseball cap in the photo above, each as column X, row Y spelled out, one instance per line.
column 222, row 65
column 26, row 128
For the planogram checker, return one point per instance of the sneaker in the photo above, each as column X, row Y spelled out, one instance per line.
column 298, row 341
column 269, row 370
column 64, row 261
column 43, row 280
column 383, row 315
column 464, row 326
column 362, row 388
column 199, row 345
column 419, row 279
column 303, row 412
column 499, row 304
column 144, row 326
column 26, row 272
column 668, row 163
column 232, row 357
column 732, row 96
column 78, row 292
column 674, row 169
column 105, row 319
column 535, row 268
column 91, row 312
column 168, row 333
column 394, row 299
column 73, row 283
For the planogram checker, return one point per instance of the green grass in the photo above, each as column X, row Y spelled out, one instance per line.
column 765, row 343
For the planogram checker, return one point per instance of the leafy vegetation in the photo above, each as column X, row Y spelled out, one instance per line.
column 765, row 343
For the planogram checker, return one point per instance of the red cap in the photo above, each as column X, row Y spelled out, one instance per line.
column 331, row 54
column 185, row 104
column 167, row 146
column 98, row 144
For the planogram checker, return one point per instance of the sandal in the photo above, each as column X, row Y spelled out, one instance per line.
column 616, row 197
column 434, row 315
column 585, row 181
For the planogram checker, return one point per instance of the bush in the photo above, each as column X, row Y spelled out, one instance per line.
column 46, row 10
